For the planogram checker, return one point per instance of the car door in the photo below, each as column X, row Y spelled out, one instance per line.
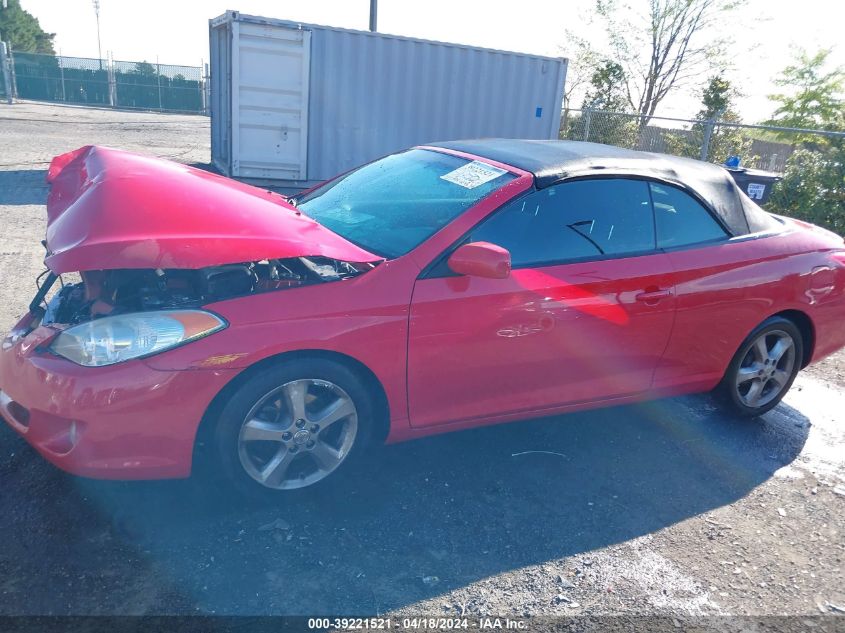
column 721, row 285
column 585, row 314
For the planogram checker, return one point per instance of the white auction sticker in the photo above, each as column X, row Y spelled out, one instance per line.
column 756, row 190
column 473, row 174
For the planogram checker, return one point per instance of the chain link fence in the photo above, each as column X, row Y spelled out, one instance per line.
column 808, row 165
column 159, row 86
column 62, row 79
column 103, row 82
column 758, row 146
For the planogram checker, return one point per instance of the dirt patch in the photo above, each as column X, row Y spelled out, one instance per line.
column 831, row 369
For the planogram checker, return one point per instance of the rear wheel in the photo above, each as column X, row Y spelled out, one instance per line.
column 293, row 426
column 763, row 369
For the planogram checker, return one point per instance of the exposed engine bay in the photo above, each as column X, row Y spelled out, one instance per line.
column 109, row 292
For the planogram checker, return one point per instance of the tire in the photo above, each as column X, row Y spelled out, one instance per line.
column 753, row 383
column 265, row 452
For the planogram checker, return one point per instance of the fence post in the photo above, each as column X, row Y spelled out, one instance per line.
column 708, row 135
column 158, row 81
column 564, row 118
column 112, row 82
column 13, row 73
column 206, row 91
column 201, row 87
column 588, row 117
column 62, row 77
column 7, row 73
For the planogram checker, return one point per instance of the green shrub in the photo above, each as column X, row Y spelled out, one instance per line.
column 813, row 187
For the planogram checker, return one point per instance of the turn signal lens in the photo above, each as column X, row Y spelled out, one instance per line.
column 123, row 337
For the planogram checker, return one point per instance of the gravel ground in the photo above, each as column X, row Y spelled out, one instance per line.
column 667, row 508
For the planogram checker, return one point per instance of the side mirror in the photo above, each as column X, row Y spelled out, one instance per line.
column 481, row 259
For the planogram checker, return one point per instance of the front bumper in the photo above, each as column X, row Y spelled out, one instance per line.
column 125, row 421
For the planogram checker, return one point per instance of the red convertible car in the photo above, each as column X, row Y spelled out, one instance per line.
column 200, row 320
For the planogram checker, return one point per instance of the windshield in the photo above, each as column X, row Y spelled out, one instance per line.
column 391, row 205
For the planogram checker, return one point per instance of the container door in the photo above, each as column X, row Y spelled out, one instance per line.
column 271, row 66
column 221, row 85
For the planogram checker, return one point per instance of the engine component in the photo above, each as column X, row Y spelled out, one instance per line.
column 104, row 293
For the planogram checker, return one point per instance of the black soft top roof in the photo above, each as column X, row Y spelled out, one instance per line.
column 554, row 161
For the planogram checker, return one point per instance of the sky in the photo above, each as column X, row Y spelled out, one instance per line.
column 176, row 31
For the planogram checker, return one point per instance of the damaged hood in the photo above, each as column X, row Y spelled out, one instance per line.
column 111, row 209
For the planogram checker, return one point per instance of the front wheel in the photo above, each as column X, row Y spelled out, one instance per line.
column 763, row 369
column 293, row 426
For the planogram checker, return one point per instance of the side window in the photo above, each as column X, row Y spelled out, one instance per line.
column 680, row 219
column 573, row 220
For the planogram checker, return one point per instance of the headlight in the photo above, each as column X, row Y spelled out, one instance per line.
column 118, row 338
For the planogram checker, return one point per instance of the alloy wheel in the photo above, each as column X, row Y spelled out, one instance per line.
column 766, row 369
column 297, row 434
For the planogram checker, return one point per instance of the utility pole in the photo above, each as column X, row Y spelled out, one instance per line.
column 373, row 15
column 6, row 71
column 99, row 48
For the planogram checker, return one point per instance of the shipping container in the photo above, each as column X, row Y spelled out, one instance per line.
column 301, row 103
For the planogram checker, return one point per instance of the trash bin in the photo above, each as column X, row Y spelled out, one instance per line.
column 756, row 183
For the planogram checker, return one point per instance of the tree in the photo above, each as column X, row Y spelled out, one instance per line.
column 813, row 184
column 813, row 187
column 582, row 60
column 661, row 45
column 717, row 99
column 606, row 88
column 145, row 69
column 815, row 96
column 606, row 103
column 22, row 30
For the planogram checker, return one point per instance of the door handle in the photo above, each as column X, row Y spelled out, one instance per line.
column 653, row 296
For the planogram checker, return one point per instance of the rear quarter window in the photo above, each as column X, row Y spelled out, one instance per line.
column 681, row 220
